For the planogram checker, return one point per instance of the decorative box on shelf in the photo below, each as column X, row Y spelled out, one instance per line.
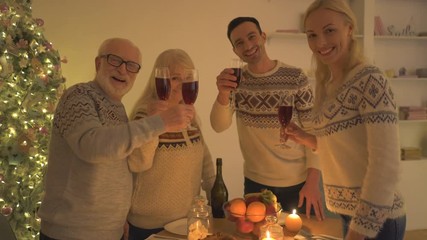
column 412, row 113
column 410, row 153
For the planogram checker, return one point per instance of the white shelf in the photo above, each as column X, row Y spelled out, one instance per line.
column 412, row 121
column 388, row 37
column 414, row 160
column 393, row 52
column 398, row 79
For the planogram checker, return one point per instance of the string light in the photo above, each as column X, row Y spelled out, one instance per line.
column 31, row 83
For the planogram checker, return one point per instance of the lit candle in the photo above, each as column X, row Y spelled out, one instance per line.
column 293, row 222
column 267, row 236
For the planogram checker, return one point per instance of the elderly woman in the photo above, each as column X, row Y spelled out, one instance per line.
column 168, row 172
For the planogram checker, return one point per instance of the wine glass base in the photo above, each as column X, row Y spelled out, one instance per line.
column 282, row 145
column 191, row 128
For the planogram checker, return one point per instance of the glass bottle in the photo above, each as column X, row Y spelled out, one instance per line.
column 219, row 192
column 271, row 229
column 199, row 222
column 199, row 201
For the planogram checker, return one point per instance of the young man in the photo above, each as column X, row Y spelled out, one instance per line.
column 88, row 182
column 292, row 174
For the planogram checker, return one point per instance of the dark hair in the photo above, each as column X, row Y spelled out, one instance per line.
column 239, row 20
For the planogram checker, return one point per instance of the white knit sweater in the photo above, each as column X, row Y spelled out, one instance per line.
column 257, row 101
column 358, row 145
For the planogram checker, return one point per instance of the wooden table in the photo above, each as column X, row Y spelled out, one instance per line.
column 329, row 226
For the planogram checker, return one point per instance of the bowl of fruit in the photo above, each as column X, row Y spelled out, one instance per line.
column 249, row 212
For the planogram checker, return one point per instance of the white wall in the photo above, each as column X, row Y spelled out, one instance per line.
column 77, row 27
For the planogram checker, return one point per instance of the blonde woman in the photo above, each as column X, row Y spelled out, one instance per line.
column 356, row 130
column 168, row 172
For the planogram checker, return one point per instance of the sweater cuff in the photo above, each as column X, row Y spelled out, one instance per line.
column 219, row 105
column 369, row 219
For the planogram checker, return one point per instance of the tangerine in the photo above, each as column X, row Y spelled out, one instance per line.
column 255, row 212
column 237, row 207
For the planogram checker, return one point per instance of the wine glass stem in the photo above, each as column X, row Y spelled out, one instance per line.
column 233, row 100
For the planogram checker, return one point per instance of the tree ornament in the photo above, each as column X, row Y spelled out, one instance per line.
column 39, row 22
column 4, row 8
column 6, row 210
column 24, row 144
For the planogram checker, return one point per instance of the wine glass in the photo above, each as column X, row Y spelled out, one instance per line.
column 163, row 83
column 236, row 65
column 190, row 88
column 286, row 105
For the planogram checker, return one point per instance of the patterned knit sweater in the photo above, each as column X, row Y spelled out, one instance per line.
column 88, row 183
column 258, row 126
column 358, row 145
column 169, row 172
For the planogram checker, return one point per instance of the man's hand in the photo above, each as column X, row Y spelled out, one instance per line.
column 225, row 82
column 177, row 117
column 155, row 107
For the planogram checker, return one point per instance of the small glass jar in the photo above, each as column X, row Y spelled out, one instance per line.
column 199, row 219
column 271, row 230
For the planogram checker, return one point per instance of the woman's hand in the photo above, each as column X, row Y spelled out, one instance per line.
column 125, row 231
column 296, row 134
column 312, row 194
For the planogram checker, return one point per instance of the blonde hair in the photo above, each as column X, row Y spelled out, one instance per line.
column 321, row 70
column 169, row 58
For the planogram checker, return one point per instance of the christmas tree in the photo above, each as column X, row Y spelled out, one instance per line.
column 30, row 85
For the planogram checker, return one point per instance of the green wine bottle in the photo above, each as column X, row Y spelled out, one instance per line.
column 219, row 192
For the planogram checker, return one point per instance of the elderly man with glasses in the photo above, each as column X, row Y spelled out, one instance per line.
column 88, row 183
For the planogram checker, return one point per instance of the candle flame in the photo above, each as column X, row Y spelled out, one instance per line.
column 267, row 234
column 294, row 211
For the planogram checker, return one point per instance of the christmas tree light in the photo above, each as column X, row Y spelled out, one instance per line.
column 30, row 85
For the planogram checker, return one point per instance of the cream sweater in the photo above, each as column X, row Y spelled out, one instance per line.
column 88, row 185
column 258, row 126
column 169, row 173
column 358, row 145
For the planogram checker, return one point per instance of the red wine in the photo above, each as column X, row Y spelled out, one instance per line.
column 190, row 91
column 285, row 115
column 219, row 192
column 238, row 74
column 163, row 87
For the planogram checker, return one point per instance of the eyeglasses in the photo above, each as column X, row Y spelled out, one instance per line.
column 117, row 61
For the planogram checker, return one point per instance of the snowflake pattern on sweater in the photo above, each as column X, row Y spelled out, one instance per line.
column 367, row 96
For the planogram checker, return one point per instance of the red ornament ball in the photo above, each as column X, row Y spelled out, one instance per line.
column 6, row 211
column 39, row 22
